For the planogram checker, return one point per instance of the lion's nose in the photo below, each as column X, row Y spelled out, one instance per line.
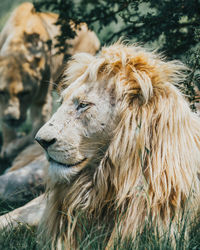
column 45, row 143
column 10, row 117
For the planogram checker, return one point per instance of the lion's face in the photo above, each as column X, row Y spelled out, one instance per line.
column 17, row 90
column 80, row 130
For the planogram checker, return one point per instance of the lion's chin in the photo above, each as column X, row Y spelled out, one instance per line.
column 59, row 172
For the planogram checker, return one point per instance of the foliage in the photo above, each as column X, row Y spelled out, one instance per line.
column 169, row 25
column 172, row 23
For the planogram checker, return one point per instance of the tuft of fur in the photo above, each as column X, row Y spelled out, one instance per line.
column 151, row 165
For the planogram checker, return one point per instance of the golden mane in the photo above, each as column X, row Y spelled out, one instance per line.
column 151, row 166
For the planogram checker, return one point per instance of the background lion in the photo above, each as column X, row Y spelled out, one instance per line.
column 123, row 147
column 27, row 65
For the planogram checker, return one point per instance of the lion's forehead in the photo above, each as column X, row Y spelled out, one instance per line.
column 79, row 90
column 84, row 87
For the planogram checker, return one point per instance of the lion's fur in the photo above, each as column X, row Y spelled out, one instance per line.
column 29, row 64
column 150, row 168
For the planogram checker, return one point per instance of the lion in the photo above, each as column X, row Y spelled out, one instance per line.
column 123, row 147
column 29, row 64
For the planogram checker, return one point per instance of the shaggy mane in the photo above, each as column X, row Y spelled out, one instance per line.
column 151, row 166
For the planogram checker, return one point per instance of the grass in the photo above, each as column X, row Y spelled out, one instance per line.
column 20, row 238
column 25, row 237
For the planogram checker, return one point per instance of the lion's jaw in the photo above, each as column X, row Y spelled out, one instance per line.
column 85, row 117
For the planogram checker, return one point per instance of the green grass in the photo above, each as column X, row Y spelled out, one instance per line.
column 96, row 237
column 24, row 237
column 20, row 238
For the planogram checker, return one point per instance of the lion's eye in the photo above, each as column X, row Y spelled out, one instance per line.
column 83, row 106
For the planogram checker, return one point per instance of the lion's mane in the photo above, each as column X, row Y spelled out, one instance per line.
column 151, row 166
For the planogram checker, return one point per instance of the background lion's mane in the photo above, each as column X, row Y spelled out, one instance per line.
column 150, row 169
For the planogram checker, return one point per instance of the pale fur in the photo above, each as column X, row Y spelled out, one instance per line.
column 151, row 163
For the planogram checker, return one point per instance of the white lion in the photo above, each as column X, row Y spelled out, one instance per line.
column 123, row 144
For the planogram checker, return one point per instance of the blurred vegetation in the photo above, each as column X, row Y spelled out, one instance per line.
column 171, row 26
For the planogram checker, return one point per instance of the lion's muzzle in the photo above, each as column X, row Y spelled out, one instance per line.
column 12, row 122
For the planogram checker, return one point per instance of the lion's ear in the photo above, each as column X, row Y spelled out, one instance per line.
column 137, row 85
column 143, row 76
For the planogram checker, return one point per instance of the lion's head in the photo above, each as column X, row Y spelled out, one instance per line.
column 85, row 121
column 21, row 71
column 123, row 143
